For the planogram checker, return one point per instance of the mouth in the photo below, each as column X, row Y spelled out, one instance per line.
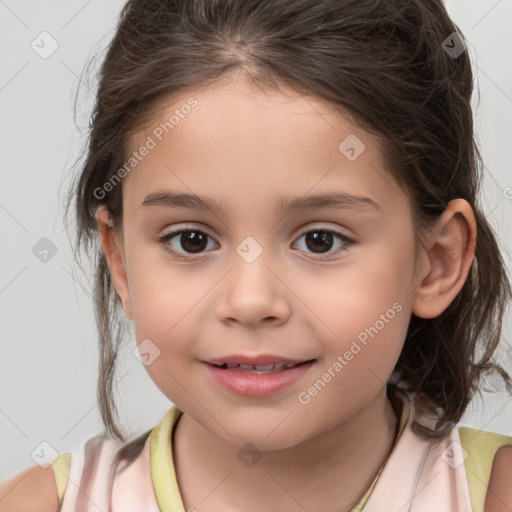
column 260, row 369
column 258, row 381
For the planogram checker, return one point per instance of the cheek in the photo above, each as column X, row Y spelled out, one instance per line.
column 364, row 311
column 163, row 294
column 167, row 305
column 164, row 308
column 164, row 314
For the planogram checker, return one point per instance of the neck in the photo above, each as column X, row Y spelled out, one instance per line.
column 329, row 464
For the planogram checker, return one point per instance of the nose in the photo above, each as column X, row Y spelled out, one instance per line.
column 254, row 293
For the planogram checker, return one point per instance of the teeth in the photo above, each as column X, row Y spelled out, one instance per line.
column 268, row 368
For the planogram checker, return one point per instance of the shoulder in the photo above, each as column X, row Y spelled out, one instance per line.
column 32, row 490
column 499, row 491
column 488, row 461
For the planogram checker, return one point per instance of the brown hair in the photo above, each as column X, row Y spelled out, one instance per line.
column 384, row 63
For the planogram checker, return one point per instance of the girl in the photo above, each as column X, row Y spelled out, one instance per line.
column 285, row 194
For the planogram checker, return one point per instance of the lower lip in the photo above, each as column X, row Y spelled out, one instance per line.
column 252, row 384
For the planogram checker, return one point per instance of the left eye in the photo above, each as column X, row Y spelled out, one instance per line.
column 319, row 239
column 194, row 241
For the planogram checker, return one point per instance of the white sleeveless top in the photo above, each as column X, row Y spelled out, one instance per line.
column 419, row 475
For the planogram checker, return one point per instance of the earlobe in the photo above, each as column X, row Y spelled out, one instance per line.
column 449, row 258
column 113, row 250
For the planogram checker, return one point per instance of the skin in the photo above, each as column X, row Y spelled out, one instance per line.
column 249, row 147
column 499, row 494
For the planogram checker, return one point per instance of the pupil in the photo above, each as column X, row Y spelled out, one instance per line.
column 194, row 240
column 319, row 240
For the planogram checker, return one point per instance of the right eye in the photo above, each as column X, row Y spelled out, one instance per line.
column 192, row 241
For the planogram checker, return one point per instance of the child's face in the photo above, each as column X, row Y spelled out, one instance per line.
column 346, row 305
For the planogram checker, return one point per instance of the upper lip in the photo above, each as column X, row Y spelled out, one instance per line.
column 260, row 360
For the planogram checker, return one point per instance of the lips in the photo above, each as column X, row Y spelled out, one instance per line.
column 255, row 383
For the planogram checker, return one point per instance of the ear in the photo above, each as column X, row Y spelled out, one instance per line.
column 112, row 245
column 448, row 260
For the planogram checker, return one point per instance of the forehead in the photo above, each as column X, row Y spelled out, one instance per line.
column 236, row 136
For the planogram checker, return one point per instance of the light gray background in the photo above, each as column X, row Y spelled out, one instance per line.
column 48, row 345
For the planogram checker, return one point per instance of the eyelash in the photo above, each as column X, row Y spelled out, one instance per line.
column 348, row 242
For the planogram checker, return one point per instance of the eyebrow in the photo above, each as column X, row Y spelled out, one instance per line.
column 329, row 200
